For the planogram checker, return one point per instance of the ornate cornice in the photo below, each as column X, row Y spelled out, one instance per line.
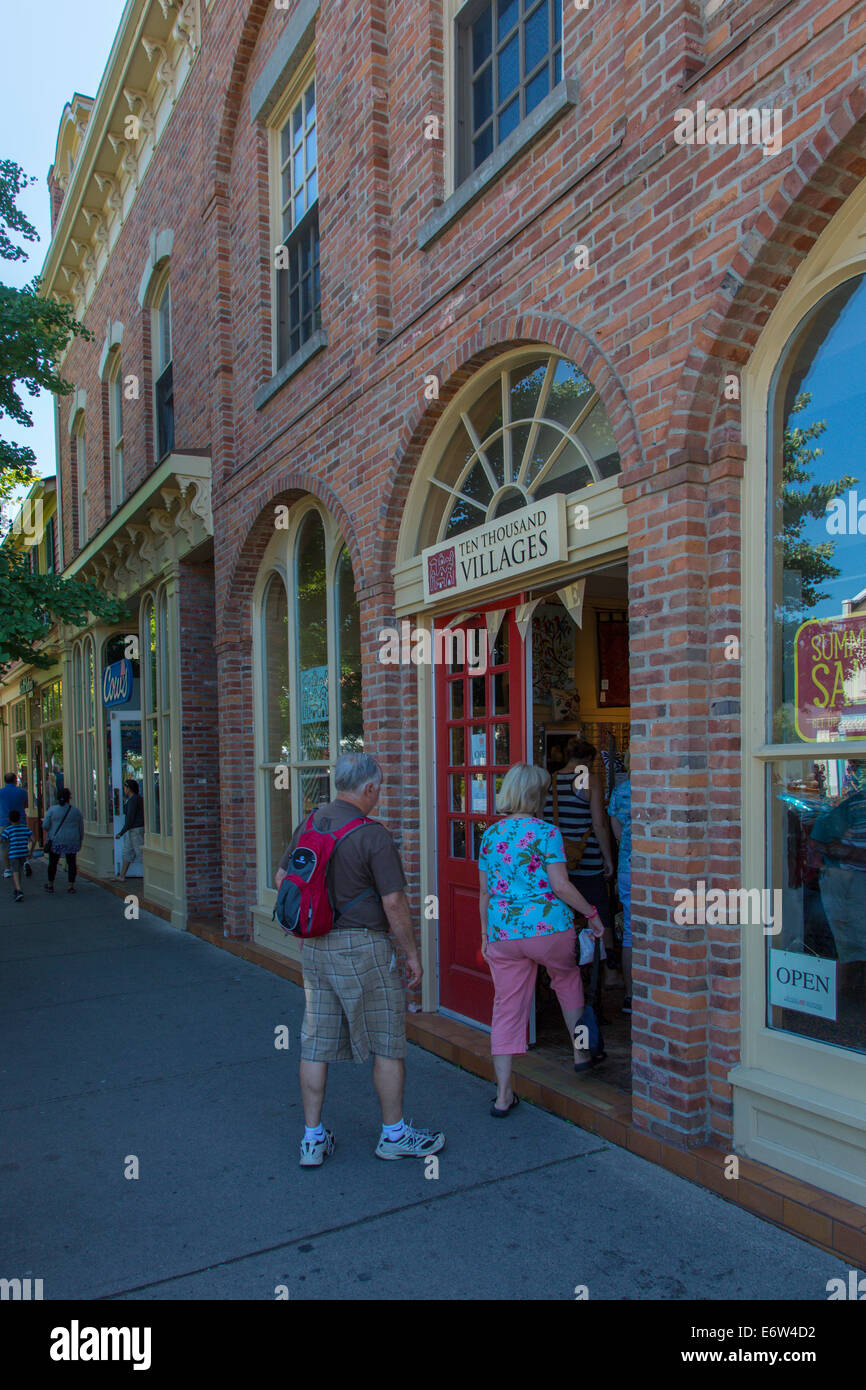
column 110, row 143
column 156, row 528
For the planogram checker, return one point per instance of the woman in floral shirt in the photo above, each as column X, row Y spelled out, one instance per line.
column 526, row 909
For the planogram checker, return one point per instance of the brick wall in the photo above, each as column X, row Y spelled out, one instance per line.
column 690, row 249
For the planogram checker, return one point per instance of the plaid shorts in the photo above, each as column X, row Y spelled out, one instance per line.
column 356, row 1000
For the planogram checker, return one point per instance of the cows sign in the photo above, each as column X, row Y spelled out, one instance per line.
column 117, row 683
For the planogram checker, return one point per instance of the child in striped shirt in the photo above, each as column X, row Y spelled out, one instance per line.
column 17, row 836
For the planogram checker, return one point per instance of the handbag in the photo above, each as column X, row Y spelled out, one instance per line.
column 587, row 1032
column 49, row 843
column 573, row 848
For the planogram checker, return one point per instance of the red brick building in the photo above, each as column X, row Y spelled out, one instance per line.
column 365, row 279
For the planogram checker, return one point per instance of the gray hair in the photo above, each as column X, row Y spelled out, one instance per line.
column 354, row 770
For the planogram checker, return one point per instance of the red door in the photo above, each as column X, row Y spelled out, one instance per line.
column 480, row 732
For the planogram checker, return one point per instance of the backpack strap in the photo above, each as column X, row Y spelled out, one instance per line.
column 338, row 835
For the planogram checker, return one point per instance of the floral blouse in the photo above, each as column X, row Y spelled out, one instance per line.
column 514, row 855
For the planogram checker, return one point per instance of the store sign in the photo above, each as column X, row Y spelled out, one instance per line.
column 506, row 548
column 26, row 686
column 830, row 678
column 117, row 683
column 804, row 983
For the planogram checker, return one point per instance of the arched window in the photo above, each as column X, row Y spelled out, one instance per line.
column 275, row 715
column 308, row 675
column 163, row 370
column 157, row 664
column 79, row 448
column 84, row 727
column 115, row 428
column 536, row 428
column 816, row 722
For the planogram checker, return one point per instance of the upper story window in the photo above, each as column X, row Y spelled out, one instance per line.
column 115, row 429
column 297, row 290
column 509, row 57
column 163, row 374
column 535, row 427
column 49, row 546
column 79, row 450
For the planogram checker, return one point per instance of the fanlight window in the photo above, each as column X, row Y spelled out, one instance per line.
column 537, row 429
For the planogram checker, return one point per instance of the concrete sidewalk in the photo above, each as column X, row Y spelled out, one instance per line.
column 128, row 1038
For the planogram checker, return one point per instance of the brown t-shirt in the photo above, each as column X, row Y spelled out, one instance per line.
column 366, row 858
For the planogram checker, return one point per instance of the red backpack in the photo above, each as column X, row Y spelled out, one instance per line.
column 303, row 905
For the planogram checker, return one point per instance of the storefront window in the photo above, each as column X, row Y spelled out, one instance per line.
column 818, row 514
column 156, row 713
column 84, row 727
column 537, row 429
column 351, row 729
column 312, row 639
column 164, row 655
column 51, row 714
column 89, row 789
column 275, row 718
column 309, row 675
column 816, row 945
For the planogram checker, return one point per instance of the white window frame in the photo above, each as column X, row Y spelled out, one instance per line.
column 280, row 558
column 79, row 436
column 281, row 115
column 160, row 295
column 115, row 428
column 781, row 1073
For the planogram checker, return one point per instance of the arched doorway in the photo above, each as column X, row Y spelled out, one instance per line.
column 514, row 536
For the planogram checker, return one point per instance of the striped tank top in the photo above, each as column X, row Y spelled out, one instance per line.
column 575, row 818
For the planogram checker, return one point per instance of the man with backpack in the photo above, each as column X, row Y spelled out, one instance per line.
column 341, row 887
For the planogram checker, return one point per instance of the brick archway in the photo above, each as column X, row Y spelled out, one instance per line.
column 490, row 340
column 775, row 242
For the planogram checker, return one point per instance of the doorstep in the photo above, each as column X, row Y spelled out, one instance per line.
column 833, row 1224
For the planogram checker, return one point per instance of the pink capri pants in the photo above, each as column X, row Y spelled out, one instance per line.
column 514, row 965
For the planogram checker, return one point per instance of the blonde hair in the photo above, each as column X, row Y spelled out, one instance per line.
column 524, row 790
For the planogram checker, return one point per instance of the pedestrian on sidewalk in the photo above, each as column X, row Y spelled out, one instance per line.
column 355, row 1000
column 576, row 806
column 12, row 798
column 526, row 907
column 16, row 837
column 132, row 830
column 63, row 830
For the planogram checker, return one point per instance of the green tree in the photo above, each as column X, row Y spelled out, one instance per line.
column 806, row 562
column 34, row 331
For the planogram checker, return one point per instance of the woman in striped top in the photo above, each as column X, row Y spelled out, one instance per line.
column 580, row 807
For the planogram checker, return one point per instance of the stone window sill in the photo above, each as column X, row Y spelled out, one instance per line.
column 560, row 99
column 314, row 344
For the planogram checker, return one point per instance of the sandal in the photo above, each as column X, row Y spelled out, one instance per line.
column 500, row 1114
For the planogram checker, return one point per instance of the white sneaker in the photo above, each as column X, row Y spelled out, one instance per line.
column 413, row 1143
column 315, row 1151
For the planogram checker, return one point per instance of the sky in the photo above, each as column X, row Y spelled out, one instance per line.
column 52, row 50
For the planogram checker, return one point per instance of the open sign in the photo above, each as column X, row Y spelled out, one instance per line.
column 117, row 683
